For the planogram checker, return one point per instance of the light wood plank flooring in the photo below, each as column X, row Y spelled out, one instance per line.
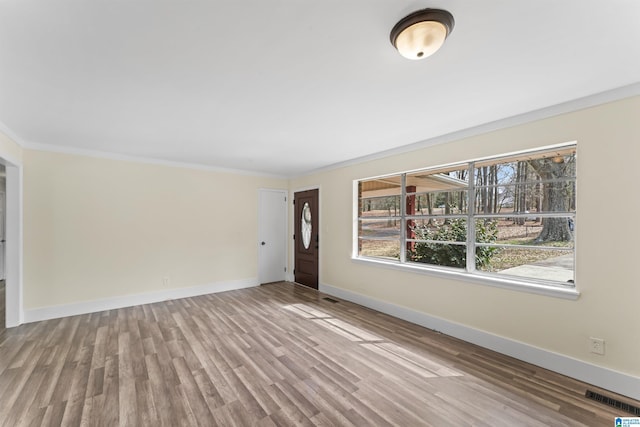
column 274, row 355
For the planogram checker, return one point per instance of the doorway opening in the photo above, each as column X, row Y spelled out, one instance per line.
column 3, row 187
column 11, row 300
column 272, row 235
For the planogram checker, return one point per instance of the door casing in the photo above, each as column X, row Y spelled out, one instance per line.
column 13, row 246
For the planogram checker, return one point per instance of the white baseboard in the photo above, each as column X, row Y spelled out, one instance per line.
column 57, row 311
column 624, row 384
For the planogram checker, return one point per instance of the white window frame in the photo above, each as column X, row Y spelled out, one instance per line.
column 470, row 274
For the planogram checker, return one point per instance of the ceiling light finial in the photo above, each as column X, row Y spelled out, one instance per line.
column 422, row 33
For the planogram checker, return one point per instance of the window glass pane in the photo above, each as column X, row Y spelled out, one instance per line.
column 438, row 229
column 527, row 198
column 435, row 242
column 437, row 203
column 566, row 154
column 542, row 242
column 380, row 206
column 437, row 193
column 439, row 254
column 380, row 197
column 388, row 249
column 379, row 228
column 531, row 263
column 550, row 231
column 539, row 182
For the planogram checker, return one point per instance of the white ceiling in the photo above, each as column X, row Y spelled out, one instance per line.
column 288, row 86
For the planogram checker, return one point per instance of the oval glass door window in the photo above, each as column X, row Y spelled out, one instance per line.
column 306, row 225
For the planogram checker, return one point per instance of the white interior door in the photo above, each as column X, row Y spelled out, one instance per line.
column 272, row 235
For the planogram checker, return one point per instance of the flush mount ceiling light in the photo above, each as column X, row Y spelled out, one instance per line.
column 422, row 33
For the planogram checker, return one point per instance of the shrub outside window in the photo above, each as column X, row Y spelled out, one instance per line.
column 509, row 217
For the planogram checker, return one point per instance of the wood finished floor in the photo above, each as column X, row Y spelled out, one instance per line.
column 273, row 355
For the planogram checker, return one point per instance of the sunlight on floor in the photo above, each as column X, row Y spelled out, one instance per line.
column 394, row 353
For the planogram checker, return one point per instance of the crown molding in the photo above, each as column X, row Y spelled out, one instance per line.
column 141, row 159
column 11, row 134
column 520, row 119
column 543, row 113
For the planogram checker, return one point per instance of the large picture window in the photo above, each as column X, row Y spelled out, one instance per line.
column 509, row 217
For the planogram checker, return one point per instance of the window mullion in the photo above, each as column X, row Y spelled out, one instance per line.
column 471, row 223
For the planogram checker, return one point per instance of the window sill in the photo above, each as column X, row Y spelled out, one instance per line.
column 498, row 282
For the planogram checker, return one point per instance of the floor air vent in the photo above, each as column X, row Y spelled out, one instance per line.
column 612, row 402
column 330, row 299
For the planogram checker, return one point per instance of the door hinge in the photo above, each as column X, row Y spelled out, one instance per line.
column 285, row 269
column 285, row 198
column 294, row 271
column 294, row 237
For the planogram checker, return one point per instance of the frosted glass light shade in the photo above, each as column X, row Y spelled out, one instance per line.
column 422, row 33
column 421, row 40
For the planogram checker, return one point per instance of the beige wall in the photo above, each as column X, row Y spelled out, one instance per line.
column 9, row 150
column 607, row 275
column 98, row 228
